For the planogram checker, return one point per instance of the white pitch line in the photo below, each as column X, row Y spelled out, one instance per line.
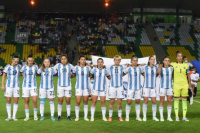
column 196, row 101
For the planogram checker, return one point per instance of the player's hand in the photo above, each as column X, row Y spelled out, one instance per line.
column 3, row 88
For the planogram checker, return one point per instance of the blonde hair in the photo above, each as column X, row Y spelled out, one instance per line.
column 117, row 57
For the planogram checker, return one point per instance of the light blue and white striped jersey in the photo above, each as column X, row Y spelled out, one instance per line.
column 99, row 78
column 29, row 73
column 116, row 73
column 166, row 77
column 82, row 77
column 12, row 75
column 64, row 72
column 46, row 78
column 134, row 78
column 150, row 74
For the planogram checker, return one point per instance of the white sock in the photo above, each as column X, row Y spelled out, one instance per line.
column 68, row 109
column 8, row 107
column 92, row 111
column 59, row 109
column 15, row 108
column 52, row 107
column 128, row 108
column 145, row 110
column 110, row 112
column 85, row 111
column 169, row 110
column 35, row 111
column 161, row 112
column 137, row 110
column 77, row 111
column 120, row 113
column 154, row 108
column 42, row 108
column 27, row 112
column 103, row 109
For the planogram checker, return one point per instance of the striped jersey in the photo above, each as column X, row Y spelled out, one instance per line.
column 116, row 73
column 134, row 78
column 13, row 73
column 166, row 77
column 29, row 73
column 150, row 74
column 99, row 78
column 82, row 77
column 64, row 72
column 46, row 78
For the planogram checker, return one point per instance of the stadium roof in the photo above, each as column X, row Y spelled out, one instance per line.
column 97, row 6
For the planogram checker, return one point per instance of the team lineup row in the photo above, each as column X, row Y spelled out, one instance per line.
column 83, row 72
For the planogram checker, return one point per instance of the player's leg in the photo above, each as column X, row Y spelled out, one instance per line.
column 153, row 101
column 78, row 102
column 177, row 93
column 169, row 107
column 85, row 102
column 8, row 108
column 137, row 104
column 162, row 99
column 94, row 101
column 25, row 95
column 193, row 89
column 184, row 95
column 111, row 106
column 146, row 93
column 60, row 94
column 52, row 108
column 8, row 95
column 120, row 96
column 15, row 105
column 68, row 94
column 42, row 97
column 128, row 104
column 103, row 106
column 34, row 99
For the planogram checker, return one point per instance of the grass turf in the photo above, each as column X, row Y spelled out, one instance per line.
column 48, row 126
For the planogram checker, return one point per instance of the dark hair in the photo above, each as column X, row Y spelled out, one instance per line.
column 178, row 52
column 164, row 59
column 81, row 56
column 149, row 59
column 184, row 57
column 134, row 56
column 30, row 56
column 15, row 56
column 64, row 55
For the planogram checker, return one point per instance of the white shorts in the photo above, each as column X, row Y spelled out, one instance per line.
column 9, row 92
column 149, row 92
column 116, row 92
column 136, row 93
column 80, row 92
column 64, row 91
column 166, row 92
column 98, row 93
column 46, row 93
column 26, row 92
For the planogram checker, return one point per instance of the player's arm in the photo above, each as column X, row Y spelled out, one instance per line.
column 159, row 69
column 2, row 82
column 189, row 79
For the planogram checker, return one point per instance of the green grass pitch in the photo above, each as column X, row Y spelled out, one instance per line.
column 48, row 126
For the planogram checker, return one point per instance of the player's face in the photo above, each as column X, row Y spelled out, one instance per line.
column 100, row 63
column 64, row 60
column 185, row 59
column 30, row 61
column 152, row 61
column 15, row 62
column 46, row 63
column 134, row 61
column 166, row 61
column 82, row 61
column 117, row 61
column 179, row 57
